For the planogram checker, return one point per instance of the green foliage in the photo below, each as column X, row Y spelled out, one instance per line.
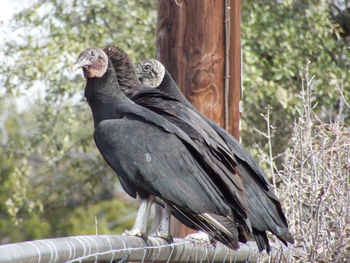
column 51, row 173
column 81, row 223
column 279, row 38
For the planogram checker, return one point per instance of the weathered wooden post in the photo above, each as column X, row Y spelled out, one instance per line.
column 199, row 43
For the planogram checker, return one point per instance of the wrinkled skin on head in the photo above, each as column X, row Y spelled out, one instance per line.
column 150, row 72
column 93, row 61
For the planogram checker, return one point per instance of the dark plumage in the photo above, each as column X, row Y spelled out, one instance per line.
column 265, row 211
column 154, row 157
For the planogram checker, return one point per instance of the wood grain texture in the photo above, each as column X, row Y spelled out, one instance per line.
column 235, row 69
column 191, row 45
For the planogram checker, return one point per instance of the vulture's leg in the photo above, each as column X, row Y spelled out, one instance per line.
column 163, row 230
column 140, row 226
column 158, row 215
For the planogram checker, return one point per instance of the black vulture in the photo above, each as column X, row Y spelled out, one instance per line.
column 155, row 159
column 264, row 208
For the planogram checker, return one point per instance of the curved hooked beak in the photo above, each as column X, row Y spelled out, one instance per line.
column 81, row 62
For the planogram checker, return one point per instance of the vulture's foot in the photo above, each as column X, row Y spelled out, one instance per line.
column 200, row 237
column 135, row 232
column 164, row 235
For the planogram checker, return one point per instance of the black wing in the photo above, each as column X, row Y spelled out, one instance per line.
column 170, row 87
column 204, row 136
column 265, row 210
column 148, row 159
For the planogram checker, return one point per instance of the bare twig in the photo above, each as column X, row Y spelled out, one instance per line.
column 342, row 97
column 269, row 139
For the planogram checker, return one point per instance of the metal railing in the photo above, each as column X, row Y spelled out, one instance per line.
column 117, row 248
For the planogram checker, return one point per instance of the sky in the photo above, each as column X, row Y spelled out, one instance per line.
column 7, row 10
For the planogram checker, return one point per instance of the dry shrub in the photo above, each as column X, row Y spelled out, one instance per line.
column 314, row 189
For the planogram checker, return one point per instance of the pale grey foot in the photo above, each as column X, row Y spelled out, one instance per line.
column 164, row 225
column 200, row 237
column 140, row 227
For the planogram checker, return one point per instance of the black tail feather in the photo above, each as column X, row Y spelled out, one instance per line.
column 261, row 240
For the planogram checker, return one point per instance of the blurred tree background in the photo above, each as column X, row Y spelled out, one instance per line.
column 279, row 38
column 53, row 181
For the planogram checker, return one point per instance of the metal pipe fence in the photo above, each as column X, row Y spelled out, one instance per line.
column 117, row 248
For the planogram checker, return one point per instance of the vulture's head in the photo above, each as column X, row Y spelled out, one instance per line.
column 150, row 72
column 93, row 61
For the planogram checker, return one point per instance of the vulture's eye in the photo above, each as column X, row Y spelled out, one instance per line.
column 92, row 53
column 147, row 67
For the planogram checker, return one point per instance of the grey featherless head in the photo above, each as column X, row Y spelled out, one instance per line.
column 150, row 72
column 93, row 61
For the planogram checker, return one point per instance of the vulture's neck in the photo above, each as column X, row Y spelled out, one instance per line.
column 126, row 75
column 169, row 86
column 103, row 95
